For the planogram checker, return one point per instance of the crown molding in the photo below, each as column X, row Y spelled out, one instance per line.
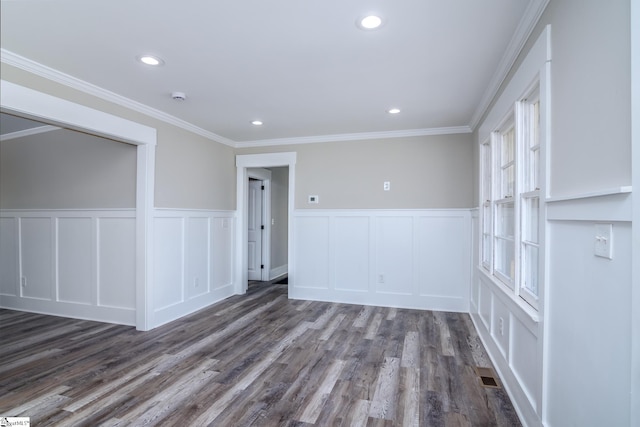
column 28, row 132
column 354, row 136
column 38, row 69
column 523, row 31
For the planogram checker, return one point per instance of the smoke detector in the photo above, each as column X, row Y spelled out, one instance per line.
column 179, row 96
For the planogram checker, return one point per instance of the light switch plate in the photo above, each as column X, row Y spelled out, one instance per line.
column 604, row 241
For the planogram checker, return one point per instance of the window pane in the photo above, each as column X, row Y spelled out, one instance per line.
column 486, row 218
column 508, row 140
column 508, row 181
column 505, row 225
column 531, row 220
column 535, row 169
column 486, row 249
column 486, row 172
column 530, row 276
column 504, row 257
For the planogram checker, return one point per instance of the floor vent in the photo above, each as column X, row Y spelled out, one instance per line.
column 487, row 377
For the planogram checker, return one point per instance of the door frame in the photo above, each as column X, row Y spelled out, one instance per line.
column 243, row 164
column 32, row 104
column 264, row 175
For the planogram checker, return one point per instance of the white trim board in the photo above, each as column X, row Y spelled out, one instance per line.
column 28, row 132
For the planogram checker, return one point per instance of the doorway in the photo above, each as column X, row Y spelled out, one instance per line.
column 31, row 104
column 259, row 224
column 245, row 163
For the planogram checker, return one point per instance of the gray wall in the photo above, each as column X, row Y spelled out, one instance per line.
column 280, row 215
column 591, row 77
column 65, row 169
column 425, row 172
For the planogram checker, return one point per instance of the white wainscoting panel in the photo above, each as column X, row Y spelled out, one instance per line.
column 433, row 230
column 74, row 263
column 9, row 244
column 352, row 253
column 500, row 324
column 193, row 261
column 523, row 360
column 117, row 263
column 197, row 257
column 222, row 250
column 37, row 258
column 168, row 259
column 311, row 246
column 397, row 258
column 394, row 255
column 76, row 253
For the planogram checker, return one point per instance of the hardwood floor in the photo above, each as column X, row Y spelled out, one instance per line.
column 257, row 359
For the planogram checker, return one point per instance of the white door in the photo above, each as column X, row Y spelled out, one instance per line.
column 255, row 230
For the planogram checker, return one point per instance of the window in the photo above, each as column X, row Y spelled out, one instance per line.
column 510, row 191
column 486, row 204
column 530, row 196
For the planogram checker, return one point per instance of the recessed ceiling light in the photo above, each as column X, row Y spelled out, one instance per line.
column 370, row 22
column 257, row 123
column 393, row 111
column 150, row 60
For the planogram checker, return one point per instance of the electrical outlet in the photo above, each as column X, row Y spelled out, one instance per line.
column 23, row 282
column 380, row 278
column 196, row 282
column 501, row 326
column 386, row 186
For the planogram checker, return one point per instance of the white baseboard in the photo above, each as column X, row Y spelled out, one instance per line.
column 278, row 271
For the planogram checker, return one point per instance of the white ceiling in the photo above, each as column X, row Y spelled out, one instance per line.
column 301, row 66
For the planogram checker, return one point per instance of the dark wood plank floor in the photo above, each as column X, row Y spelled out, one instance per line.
column 257, row 359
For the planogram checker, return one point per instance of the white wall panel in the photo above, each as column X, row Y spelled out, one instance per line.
column 311, row 246
column 351, row 253
column 37, row 258
column 525, row 360
column 117, row 262
column 197, row 252
column 588, row 319
column 222, row 253
column 500, row 324
column 76, row 256
column 9, row 256
column 394, row 255
column 169, row 261
column 484, row 305
column 443, row 269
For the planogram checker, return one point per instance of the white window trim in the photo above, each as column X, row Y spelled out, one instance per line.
column 533, row 72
